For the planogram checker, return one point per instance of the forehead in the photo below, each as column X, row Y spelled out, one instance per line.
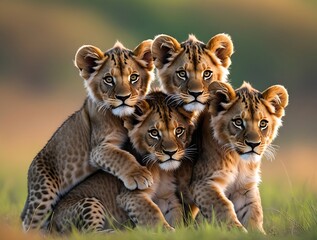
column 120, row 59
column 164, row 117
column 249, row 105
column 119, row 55
column 195, row 55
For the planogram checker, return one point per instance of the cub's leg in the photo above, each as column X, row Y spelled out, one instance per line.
column 141, row 209
column 43, row 193
column 209, row 197
column 122, row 164
column 248, row 207
column 171, row 209
column 87, row 215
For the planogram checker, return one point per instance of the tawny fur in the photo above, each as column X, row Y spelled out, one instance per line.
column 186, row 69
column 236, row 131
column 92, row 137
column 159, row 134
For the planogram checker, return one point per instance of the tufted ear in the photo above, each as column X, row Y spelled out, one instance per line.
column 143, row 53
column 139, row 112
column 276, row 99
column 87, row 59
column 222, row 46
column 163, row 48
column 221, row 96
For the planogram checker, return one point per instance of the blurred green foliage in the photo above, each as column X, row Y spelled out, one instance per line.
column 274, row 40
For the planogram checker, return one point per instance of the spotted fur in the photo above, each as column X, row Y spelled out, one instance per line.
column 235, row 133
column 186, row 69
column 92, row 137
column 160, row 135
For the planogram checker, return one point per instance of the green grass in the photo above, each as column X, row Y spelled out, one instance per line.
column 290, row 212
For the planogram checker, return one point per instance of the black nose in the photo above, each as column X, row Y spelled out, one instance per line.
column 252, row 144
column 170, row 153
column 195, row 94
column 123, row 98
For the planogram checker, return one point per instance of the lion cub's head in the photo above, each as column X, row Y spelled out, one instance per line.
column 115, row 79
column 186, row 69
column 245, row 120
column 161, row 132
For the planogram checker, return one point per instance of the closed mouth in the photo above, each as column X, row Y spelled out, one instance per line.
column 250, row 152
column 169, row 160
column 196, row 101
column 122, row 105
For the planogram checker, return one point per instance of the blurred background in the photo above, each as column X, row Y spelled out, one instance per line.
column 275, row 43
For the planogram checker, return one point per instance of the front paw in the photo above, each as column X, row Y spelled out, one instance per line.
column 140, row 178
column 168, row 228
column 237, row 225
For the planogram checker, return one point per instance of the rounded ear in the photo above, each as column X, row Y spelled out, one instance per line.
column 163, row 48
column 277, row 97
column 221, row 45
column 143, row 53
column 87, row 58
column 221, row 96
column 139, row 112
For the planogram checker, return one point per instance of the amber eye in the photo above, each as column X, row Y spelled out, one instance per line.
column 154, row 133
column 134, row 77
column 108, row 80
column 182, row 74
column 263, row 124
column 238, row 122
column 207, row 74
column 179, row 131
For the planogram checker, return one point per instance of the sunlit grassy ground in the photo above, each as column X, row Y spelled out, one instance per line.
column 289, row 213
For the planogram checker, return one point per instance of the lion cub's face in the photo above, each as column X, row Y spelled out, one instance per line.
column 161, row 132
column 117, row 78
column 245, row 120
column 186, row 69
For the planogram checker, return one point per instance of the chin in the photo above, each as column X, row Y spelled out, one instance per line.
column 123, row 111
column 194, row 106
column 251, row 157
column 170, row 165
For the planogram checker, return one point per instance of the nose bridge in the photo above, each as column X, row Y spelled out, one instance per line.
column 194, row 83
column 168, row 144
column 252, row 135
column 122, row 86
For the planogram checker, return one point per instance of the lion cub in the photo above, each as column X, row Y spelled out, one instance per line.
column 241, row 125
column 186, row 69
column 160, row 134
column 92, row 137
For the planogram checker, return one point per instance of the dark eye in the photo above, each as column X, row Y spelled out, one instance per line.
column 207, row 74
column 238, row 122
column 179, row 131
column 134, row 77
column 154, row 133
column 182, row 74
column 108, row 80
column 263, row 124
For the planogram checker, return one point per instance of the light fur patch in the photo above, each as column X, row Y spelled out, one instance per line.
column 251, row 157
column 195, row 106
column 123, row 111
column 170, row 165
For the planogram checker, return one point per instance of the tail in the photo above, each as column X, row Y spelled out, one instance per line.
column 26, row 205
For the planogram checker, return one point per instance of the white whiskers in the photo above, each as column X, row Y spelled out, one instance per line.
column 190, row 153
column 102, row 107
column 149, row 160
column 228, row 148
column 174, row 100
column 270, row 152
